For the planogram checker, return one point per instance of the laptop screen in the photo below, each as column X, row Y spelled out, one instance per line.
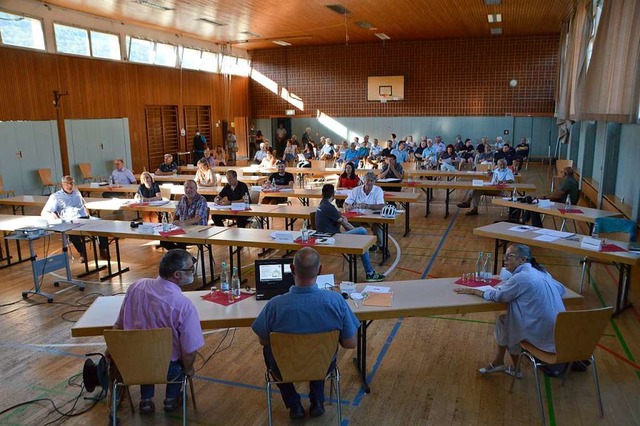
column 273, row 277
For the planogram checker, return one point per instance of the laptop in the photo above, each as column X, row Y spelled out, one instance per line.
column 273, row 277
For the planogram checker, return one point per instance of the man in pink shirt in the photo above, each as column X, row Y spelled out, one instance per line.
column 159, row 303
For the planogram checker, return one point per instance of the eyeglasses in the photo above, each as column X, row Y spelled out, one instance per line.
column 511, row 256
column 193, row 268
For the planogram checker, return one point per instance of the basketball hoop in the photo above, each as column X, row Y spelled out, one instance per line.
column 383, row 99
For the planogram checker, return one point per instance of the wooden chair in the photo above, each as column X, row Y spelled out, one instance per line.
column 142, row 357
column 560, row 166
column 410, row 165
column 483, row 167
column 576, row 334
column 613, row 228
column 242, row 162
column 165, row 192
column 85, row 171
column 6, row 192
column 47, row 181
column 304, row 358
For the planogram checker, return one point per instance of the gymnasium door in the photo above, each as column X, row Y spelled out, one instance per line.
column 197, row 117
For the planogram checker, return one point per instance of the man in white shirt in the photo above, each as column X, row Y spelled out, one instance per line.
column 499, row 176
column 375, row 154
column 327, row 152
column 439, row 145
column 121, row 175
column 261, row 154
column 367, row 196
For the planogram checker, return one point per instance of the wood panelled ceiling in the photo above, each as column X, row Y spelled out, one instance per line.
column 311, row 22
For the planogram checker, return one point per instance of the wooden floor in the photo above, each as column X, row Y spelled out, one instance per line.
column 423, row 371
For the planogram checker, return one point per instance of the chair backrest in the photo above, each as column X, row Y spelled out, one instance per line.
column 142, row 356
column 576, row 333
column 561, row 164
column 165, row 192
column 482, row 167
column 45, row 176
column 304, row 357
column 616, row 228
column 85, row 170
column 242, row 162
column 409, row 165
column 319, row 164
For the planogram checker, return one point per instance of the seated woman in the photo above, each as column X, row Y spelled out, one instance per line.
column 220, row 157
column 449, row 160
column 148, row 191
column 205, row 175
column 484, row 156
column 309, row 154
column 209, row 157
column 290, row 152
column 340, row 154
column 269, row 161
column 348, row 179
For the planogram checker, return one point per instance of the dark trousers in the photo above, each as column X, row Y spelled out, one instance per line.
column 168, row 245
column 78, row 243
column 175, row 373
column 288, row 391
column 241, row 221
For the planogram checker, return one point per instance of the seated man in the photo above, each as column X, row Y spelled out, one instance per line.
column 329, row 220
column 534, row 300
column 568, row 188
column 387, row 151
column 234, row 190
column 305, row 309
column 402, row 155
column 392, row 169
column 168, row 167
column 327, row 152
column 505, row 153
column 375, row 154
column 192, row 209
column 501, row 175
column 352, row 154
column 261, row 154
column 68, row 204
column 522, row 154
column 367, row 196
column 278, row 180
column 171, row 309
column 119, row 176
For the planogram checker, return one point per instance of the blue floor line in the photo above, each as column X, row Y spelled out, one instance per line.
column 393, row 333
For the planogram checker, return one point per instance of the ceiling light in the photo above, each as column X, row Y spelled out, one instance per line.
column 210, row 21
column 495, row 17
column 496, row 30
column 249, row 33
column 492, row 2
column 383, row 36
column 281, row 43
column 338, row 8
column 153, row 5
column 365, row 25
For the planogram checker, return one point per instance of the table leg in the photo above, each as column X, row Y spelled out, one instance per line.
column 495, row 257
column 427, row 201
column 624, row 282
column 120, row 270
column 407, row 212
column 446, row 203
column 385, row 242
column 97, row 267
column 360, row 361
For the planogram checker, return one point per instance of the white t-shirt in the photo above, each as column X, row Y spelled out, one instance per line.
column 357, row 196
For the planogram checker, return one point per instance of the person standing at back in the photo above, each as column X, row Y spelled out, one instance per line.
column 199, row 145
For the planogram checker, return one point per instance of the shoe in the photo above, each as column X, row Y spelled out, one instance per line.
column 513, row 373
column 464, row 205
column 82, row 259
column 373, row 248
column 316, row 409
column 170, row 404
column 146, row 406
column 472, row 212
column 489, row 369
column 104, row 254
column 375, row 277
column 296, row 411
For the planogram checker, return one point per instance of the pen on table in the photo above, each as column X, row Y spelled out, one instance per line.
column 206, row 228
column 355, row 303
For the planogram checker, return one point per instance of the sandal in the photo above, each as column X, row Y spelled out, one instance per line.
column 492, row 369
column 513, row 373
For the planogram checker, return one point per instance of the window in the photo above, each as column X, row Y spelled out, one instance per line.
column 72, row 40
column 209, row 62
column 140, row 50
column 165, row 55
column 104, row 45
column 243, row 68
column 21, row 31
column 191, row 58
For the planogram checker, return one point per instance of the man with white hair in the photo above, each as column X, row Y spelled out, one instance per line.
column 327, row 152
column 261, row 154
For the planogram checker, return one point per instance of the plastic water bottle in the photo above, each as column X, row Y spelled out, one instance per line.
column 514, row 194
column 224, row 278
column 247, row 201
column 486, row 269
column 235, row 284
column 594, row 231
column 111, row 181
column 165, row 222
column 478, row 271
column 305, row 232
column 273, row 183
column 567, row 204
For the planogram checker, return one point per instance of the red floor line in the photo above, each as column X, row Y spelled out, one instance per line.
column 409, row 270
column 620, row 357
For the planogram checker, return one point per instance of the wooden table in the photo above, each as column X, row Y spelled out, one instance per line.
column 416, row 298
column 588, row 214
column 19, row 202
column 180, row 179
column 623, row 260
column 349, row 246
column 133, row 188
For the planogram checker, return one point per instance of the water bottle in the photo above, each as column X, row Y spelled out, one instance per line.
column 235, row 284
column 111, row 181
column 165, row 222
column 224, row 278
column 567, row 204
column 486, row 269
column 247, row 201
column 514, row 194
column 273, row 183
column 305, row 232
column 594, row 231
column 478, row 271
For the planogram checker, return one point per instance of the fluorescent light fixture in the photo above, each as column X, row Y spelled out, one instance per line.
column 496, row 30
column 338, row 8
column 495, row 17
column 492, row 2
column 383, row 36
column 153, row 5
column 281, row 43
column 249, row 33
column 210, row 21
column 365, row 25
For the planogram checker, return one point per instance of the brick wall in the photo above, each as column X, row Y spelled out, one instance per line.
column 449, row 77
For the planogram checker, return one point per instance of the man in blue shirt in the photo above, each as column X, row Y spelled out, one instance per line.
column 305, row 309
column 499, row 176
column 402, row 156
column 351, row 155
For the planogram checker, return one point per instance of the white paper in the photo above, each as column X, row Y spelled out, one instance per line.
column 477, row 182
column 554, row 233
column 547, row 238
column 220, row 207
column 325, row 281
column 376, row 289
column 158, row 203
column 521, row 228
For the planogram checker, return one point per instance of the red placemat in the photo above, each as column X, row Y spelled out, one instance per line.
column 499, row 185
column 612, row 248
column 474, row 283
column 310, row 242
column 412, row 183
column 236, row 211
column 352, row 214
column 270, row 190
column 564, row 211
column 138, row 204
column 223, row 298
column 177, row 231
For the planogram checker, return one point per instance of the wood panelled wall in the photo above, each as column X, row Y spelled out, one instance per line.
column 107, row 89
column 445, row 77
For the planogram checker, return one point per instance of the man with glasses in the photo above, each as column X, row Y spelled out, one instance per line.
column 68, row 204
column 168, row 167
column 119, row 176
column 159, row 303
column 192, row 209
column 367, row 196
column 534, row 300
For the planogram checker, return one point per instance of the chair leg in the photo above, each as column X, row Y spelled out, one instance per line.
column 597, row 384
column 586, row 271
column 540, row 402
column 268, row 390
column 184, row 402
column 114, row 404
column 339, row 404
column 518, row 367
column 193, row 394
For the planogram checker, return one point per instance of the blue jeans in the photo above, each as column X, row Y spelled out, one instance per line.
column 175, row 373
column 366, row 261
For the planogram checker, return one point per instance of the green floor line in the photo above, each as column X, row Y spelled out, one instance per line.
column 461, row 319
column 547, row 388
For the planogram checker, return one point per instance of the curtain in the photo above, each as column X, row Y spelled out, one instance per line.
column 611, row 87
